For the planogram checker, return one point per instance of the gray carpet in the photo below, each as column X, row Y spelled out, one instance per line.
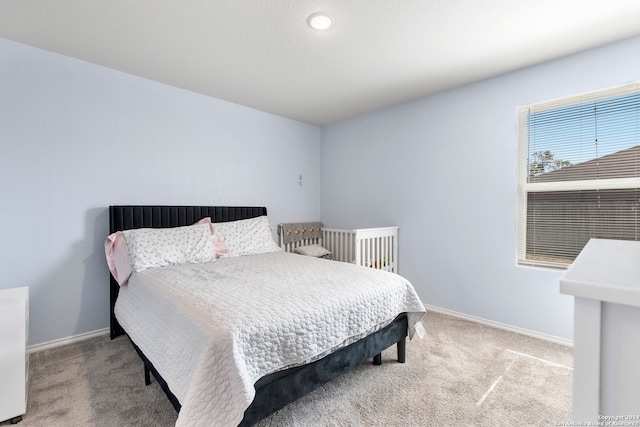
column 461, row 374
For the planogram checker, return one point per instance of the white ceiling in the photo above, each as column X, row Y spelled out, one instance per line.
column 262, row 54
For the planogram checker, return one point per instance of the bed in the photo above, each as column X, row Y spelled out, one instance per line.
column 279, row 385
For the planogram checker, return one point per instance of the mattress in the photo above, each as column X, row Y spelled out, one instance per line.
column 213, row 329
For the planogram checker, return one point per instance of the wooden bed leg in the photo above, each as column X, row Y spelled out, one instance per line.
column 377, row 359
column 402, row 350
column 147, row 376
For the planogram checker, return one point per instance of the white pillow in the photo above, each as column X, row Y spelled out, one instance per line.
column 160, row 247
column 246, row 236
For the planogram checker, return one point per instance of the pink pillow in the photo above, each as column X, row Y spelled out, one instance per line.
column 217, row 243
column 118, row 260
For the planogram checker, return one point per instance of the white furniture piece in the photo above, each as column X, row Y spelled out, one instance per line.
column 368, row 247
column 14, row 359
column 605, row 280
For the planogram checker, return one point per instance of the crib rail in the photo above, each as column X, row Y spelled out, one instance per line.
column 377, row 248
column 290, row 247
column 340, row 242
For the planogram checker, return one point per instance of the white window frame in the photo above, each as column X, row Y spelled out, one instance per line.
column 524, row 187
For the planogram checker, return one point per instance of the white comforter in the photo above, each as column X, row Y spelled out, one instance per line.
column 212, row 330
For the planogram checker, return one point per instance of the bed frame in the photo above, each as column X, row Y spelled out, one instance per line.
column 274, row 391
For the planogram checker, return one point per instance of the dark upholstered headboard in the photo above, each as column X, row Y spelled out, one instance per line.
column 128, row 217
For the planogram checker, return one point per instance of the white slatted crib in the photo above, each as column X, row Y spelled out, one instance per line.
column 368, row 247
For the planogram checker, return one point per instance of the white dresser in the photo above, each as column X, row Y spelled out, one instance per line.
column 605, row 280
column 14, row 359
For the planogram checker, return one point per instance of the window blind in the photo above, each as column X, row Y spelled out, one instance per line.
column 578, row 173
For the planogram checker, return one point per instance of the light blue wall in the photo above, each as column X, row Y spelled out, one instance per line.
column 76, row 137
column 443, row 168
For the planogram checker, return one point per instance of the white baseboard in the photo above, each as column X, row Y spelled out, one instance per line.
column 522, row 331
column 534, row 334
column 68, row 340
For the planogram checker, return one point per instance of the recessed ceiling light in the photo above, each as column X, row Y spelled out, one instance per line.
column 321, row 21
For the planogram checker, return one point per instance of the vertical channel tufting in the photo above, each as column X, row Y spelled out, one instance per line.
column 128, row 217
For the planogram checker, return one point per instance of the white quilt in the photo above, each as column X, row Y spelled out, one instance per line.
column 212, row 330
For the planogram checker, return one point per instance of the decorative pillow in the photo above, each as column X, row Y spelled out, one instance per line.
column 118, row 260
column 160, row 247
column 246, row 236
column 221, row 250
column 315, row 251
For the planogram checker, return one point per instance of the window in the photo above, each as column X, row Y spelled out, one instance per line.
column 578, row 174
